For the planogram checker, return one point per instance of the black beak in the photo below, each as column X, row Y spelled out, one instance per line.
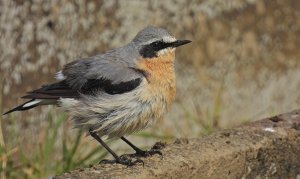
column 178, row 43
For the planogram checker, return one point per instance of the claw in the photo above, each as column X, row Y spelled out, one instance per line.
column 105, row 161
column 148, row 153
column 123, row 160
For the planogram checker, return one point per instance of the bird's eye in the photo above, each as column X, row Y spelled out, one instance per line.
column 151, row 49
column 157, row 45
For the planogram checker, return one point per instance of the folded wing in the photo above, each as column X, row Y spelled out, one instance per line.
column 87, row 77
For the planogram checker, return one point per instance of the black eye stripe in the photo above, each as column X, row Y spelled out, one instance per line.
column 159, row 45
column 150, row 50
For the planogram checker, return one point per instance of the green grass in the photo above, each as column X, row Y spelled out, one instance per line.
column 51, row 157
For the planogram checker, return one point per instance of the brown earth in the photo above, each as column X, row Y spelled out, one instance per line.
column 269, row 148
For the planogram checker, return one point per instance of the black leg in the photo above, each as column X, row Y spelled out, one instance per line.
column 121, row 160
column 95, row 136
column 140, row 152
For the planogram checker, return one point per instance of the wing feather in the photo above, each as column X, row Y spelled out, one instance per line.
column 103, row 72
column 60, row 90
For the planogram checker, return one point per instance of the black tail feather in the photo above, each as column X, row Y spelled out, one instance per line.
column 21, row 108
column 47, row 94
column 53, row 91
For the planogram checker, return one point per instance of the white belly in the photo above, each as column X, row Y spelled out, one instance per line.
column 116, row 115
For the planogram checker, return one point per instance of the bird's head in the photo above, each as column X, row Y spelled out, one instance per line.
column 153, row 42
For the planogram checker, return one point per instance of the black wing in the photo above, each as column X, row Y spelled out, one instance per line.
column 49, row 94
column 91, row 87
column 94, row 85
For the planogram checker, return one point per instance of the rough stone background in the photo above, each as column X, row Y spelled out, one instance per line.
column 243, row 63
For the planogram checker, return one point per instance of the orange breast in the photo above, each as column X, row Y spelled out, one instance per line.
column 161, row 87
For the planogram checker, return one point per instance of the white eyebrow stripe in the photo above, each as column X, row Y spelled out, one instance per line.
column 150, row 41
column 169, row 39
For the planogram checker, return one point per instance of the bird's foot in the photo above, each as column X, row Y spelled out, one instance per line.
column 124, row 160
column 148, row 153
column 156, row 149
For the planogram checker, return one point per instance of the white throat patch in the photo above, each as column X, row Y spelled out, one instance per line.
column 165, row 51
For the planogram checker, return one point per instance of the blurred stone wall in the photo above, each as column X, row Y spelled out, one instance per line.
column 243, row 62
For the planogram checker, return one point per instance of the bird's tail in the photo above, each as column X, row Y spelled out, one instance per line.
column 46, row 95
column 28, row 105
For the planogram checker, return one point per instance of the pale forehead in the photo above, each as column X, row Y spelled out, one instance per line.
column 169, row 39
column 151, row 34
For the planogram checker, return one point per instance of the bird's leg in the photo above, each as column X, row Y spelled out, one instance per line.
column 121, row 160
column 140, row 152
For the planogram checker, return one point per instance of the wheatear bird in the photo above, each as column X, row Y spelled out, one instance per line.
column 116, row 93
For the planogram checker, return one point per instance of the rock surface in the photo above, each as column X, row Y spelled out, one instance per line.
column 269, row 148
